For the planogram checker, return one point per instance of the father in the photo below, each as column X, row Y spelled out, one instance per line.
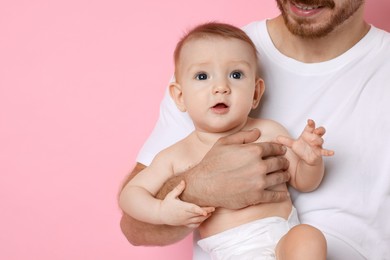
column 319, row 60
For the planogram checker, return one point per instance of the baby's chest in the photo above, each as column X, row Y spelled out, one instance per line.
column 185, row 162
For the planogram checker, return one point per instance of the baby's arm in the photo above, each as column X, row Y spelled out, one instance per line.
column 138, row 200
column 176, row 212
column 306, row 163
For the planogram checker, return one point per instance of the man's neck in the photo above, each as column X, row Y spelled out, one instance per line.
column 340, row 40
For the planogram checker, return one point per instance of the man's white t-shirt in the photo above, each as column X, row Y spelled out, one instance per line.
column 350, row 96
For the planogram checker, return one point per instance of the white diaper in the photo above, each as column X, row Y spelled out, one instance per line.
column 253, row 240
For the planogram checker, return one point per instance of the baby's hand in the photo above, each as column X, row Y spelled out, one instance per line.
column 309, row 144
column 176, row 212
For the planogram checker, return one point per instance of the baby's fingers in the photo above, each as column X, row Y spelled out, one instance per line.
column 320, row 131
column 310, row 126
column 326, row 152
column 177, row 190
column 315, row 140
column 196, row 221
column 200, row 211
column 208, row 210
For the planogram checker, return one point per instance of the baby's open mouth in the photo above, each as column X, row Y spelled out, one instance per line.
column 220, row 105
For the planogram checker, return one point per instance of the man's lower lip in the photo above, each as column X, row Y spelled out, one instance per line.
column 304, row 13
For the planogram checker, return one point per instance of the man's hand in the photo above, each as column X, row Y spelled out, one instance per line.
column 237, row 173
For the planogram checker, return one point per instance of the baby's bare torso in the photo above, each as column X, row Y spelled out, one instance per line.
column 223, row 219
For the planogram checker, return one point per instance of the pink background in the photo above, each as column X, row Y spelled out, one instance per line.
column 80, row 86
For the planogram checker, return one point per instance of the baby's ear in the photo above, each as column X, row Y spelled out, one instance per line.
column 177, row 95
column 259, row 91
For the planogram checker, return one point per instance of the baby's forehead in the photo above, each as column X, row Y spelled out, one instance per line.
column 210, row 41
column 216, row 52
column 208, row 37
column 206, row 50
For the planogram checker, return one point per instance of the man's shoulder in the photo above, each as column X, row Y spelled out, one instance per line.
column 382, row 36
column 257, row 31
column 252, row 26
column 379, row 48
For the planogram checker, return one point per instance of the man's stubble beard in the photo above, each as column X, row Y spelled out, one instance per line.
column 303, row 27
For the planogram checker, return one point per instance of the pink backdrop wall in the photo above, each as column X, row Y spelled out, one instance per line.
column 80, row 86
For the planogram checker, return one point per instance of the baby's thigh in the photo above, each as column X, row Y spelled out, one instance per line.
column 302, row 242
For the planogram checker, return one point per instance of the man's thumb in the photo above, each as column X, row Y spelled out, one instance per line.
column 242, row 137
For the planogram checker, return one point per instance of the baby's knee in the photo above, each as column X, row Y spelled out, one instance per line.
column 309, row 231
column 302, row 242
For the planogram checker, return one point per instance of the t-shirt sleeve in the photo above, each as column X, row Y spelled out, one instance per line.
column 172, row 126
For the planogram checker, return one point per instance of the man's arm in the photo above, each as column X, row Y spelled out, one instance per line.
column 234, row 174
column 140, row 233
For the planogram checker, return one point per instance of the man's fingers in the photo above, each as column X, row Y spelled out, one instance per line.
column 277, row 178
column 242, row 137
column 275, row 196
column 275, row 164
column 271, row 149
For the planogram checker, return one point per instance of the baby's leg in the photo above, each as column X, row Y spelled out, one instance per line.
column 302, row 242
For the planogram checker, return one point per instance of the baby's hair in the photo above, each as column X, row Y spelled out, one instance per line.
column 214, row 29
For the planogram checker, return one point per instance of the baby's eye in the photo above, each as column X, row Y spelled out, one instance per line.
column 236, row 75
column 201, row 76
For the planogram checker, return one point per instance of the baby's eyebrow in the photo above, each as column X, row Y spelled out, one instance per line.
column 199, row 64
column 246, row 63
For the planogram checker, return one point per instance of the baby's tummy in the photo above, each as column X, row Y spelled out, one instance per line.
column 224, row 219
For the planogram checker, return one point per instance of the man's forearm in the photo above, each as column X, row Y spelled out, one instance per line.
column 192, row 192
column 140, row 233
column 144, row 234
